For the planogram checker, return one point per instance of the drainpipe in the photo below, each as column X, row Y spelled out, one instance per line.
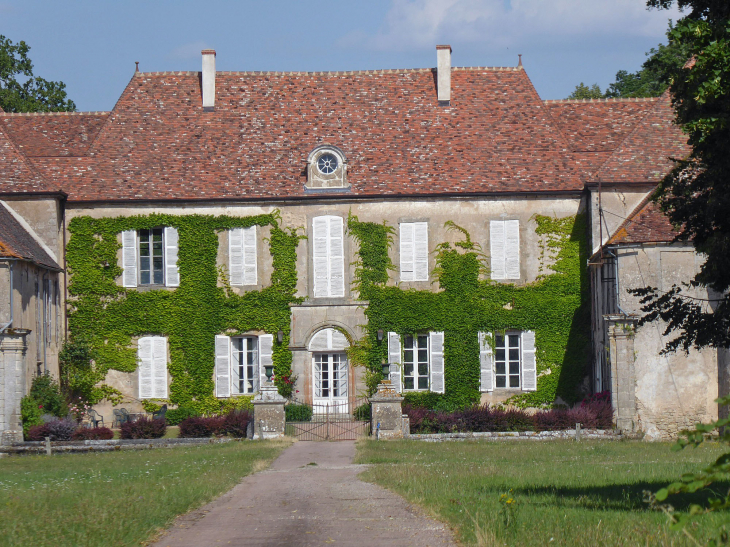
column 44, row 294
column 9, row 323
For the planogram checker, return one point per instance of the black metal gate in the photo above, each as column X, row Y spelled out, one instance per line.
column 329, row 420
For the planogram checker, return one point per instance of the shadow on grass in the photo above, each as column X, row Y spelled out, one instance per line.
column 617, row 497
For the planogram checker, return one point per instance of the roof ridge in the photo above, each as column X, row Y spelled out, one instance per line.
column 21, row 114
column 604, row 100
column 325, row 72
column 109, row 117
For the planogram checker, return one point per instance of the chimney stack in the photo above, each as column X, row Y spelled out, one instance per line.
column 443, row 74
column 208, row 80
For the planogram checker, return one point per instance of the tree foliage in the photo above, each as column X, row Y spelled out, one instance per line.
column 696, row 193
column 20, row 90
column 583, row 91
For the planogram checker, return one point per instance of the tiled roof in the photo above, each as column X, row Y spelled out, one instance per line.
column 646, row 224
column 16, row 173
column 16, row 242
column 54, row 134
column 644, row 156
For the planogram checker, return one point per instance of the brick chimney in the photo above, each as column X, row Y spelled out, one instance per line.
column 443, row 74
column 208, row 80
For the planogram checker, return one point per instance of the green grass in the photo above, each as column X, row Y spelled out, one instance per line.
column 565, row 493
column 117, row 498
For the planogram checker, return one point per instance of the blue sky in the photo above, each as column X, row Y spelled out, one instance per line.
column 92, row 45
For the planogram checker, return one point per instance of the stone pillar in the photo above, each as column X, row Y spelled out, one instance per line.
column 387, row 412
column 621, row 330
column 13, row 346
column 269, row 417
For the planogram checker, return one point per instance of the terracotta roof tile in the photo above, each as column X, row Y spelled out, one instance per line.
column 54, row 134
column 16, row 242
column 16, row 173
column 646, row 224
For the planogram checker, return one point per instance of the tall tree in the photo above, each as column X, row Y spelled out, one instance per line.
column 583, row 91
column 696, row 194
column 20, row 91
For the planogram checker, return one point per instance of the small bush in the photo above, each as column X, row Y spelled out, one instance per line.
column 240, row 402
column 30, row 414
column 298, row 412
column 235, row 423
column 47, row 392
column 363, row 412
column 177, row 415
column 144, row 428
column 62, row 430
column 37, row 433
column 202, row 427
column 92, row 434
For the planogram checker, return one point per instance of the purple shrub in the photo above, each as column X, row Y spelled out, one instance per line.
column 202, row 427
column 235, row 423
column 144, row 428
column 92, row 434
column 61, row 430
column 38, row 433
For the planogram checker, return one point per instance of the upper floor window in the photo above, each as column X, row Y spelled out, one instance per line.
column 504, row 243
column 328, row 257
column 242, row 256
column 417, row 361
column 241, row 363
column 327, row 168
column 149, row 257
column 414, row 251
column 510, row 364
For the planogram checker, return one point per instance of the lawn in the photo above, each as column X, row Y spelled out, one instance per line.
column 117, row 498
column 564, row 493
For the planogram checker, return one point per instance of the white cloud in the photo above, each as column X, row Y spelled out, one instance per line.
column 415, row 24
column 188, row 51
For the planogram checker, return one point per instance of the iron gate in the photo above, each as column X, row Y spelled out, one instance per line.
column 328, row 421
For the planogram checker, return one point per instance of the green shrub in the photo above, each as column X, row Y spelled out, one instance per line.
column 47, row 392
column 242, row 402
column 177, row 415
column 30, row 413
column 363, row 412
column 298, row 413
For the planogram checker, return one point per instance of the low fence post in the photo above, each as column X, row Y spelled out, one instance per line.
column 577, row 432
column 269, row 414
column 48, row 446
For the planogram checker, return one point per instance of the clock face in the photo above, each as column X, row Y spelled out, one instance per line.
column 326, row 164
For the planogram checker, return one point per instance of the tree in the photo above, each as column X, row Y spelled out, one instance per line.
column 582, row 91
column 31, row 93
column 696, row 193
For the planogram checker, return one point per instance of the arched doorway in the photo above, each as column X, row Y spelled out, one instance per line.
column 330, row 372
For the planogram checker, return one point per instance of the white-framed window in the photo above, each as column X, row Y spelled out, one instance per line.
column 241, row 362
column 507, row 361
column 242, row 255
column 414, row 251
column 328, row 256
column 330, row 376
column 152, row 367
column 417, row 361
column 504, row 244
column 149, row 257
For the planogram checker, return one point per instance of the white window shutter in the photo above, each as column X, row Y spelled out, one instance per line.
column 407, row 251
column 222, row 366
column 129, row 258
column 235, row 255
column 337, row 257
column 529, row 366
column 420, row 244
column 320, row 256
column 436, row 358
column 249, row 256
column 266, row 355
column 512, row 249
column 159, row 367
column 496, row 249
column 395, row 360
column 144, row 367
column 172, row 276
column 486, row 362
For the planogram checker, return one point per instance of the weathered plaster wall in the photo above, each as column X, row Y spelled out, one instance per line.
column 617, row 201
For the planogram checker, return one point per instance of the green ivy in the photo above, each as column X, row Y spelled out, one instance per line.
column 555, row 306
column 108, row 316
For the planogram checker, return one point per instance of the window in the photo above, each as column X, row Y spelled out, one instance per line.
column 152, row 367
column 149, row 257
column 326, row 169
column 417, row 361
column 328, row 257
column 504, row 242
column 241, row 362
column 511, row 364
column 330, row 376
column 414, row 251
column 242, row 256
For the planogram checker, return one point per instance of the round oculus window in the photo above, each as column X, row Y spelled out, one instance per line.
column 327, row 163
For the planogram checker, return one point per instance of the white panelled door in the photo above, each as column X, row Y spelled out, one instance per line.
column 330, row 382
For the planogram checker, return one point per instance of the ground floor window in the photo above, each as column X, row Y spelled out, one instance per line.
column 415, row 363
column 507, row 362
column 330, row 376
column 244, row 365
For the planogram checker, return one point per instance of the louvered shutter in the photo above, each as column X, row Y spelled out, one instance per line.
column 529, row 366
column 266, row 355
column 159, row 367
column 336, row 257
column 144, row 367
column 420, row 245
column 256, row 380
column 320, row 256
column 249, row 256
column 172, row 275
column 486, row 362
column 496, row 249
column 129, row 258
column 512, row 249
column 407, row 251
column 235, row 255
column 436, row 358
column 222, row 366
column 394, row 358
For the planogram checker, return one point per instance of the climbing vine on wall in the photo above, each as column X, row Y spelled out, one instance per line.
column 108, row 317
column 555, row 306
